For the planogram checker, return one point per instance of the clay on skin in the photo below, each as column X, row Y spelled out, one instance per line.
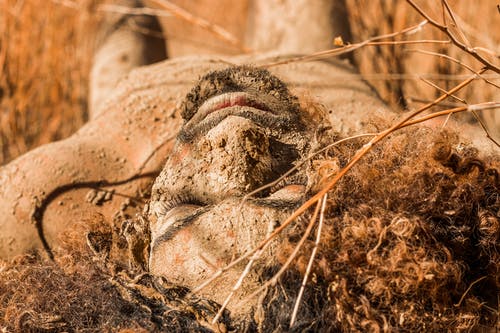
column 242, row 129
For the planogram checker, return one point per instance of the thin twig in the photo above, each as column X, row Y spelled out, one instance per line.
column 272, row 281
column 455, row 61
column 133, row 11
column 215, row 29
column 452, row 15
column 346, row 48
column 471, row 108
column 442, row 90
column 468, row 289
column 413, row 99
column 298, row 165
column 485, row 129
column 448, row 117
column 409, row 42
column 410, row 76
column 459, row 44
column 310, row 263
column 239, row 282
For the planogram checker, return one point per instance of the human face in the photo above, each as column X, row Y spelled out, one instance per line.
column 242, row 129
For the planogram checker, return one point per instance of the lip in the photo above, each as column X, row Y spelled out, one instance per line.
column 228, row 100
column 242, row 104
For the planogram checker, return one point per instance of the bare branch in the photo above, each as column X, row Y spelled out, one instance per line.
column 459, row 44
column 311, row 260
column 455, row 61
column 452, row 15
column 471, row 108
column 133, row 11
column 347, row 48
column 442, row 90
column 215, row 29
column 485, row 129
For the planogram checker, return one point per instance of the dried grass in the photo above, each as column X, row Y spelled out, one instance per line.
column 372, row 18
column 45, row 57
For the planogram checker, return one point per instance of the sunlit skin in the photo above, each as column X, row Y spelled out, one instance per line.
column 242, row 129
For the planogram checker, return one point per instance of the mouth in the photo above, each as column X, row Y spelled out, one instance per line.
column 242, row 91
column 242, row 104
column 229, row 100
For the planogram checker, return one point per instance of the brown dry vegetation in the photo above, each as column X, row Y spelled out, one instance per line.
column 45, row 57
column 395, row 70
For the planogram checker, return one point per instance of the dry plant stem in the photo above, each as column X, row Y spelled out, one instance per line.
column 452, row 15
column 272, row 281
column 455, row 41
column 409, row 42
column 455, row 61
column 485, row 50
column 468, row 289
column 472, row 108
column 448, row 117
column 347, row 48
column 238, row 283
column 414, row 76
column 218, row 31
column 311, row 260
column 426, row 101
column 133, row 11
column 483, row 126
column 314, row 199
column 442, row 90
column 308, row 158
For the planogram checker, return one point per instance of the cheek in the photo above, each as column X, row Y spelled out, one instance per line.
column 180, row 153
column 199, row 248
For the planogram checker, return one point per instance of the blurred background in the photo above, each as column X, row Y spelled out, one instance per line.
column 47, row 47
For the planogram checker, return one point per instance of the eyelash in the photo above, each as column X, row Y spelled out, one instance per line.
column 291, row 180
column 183, row 199
column 177, row 200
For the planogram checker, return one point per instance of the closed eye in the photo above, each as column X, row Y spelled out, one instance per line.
column 162, row 208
